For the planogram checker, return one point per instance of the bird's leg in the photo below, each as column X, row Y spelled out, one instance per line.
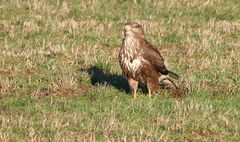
column 151, row 87
column 134, row 93
column 134, row 85
column 149, row 93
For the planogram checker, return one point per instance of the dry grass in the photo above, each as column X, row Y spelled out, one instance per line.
column 60, row 79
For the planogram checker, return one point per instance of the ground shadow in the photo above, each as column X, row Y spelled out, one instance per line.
column 99, row 76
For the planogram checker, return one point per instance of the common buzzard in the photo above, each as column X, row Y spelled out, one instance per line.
column 141, row 62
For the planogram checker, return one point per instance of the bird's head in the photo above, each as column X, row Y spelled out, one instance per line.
column 133, row 29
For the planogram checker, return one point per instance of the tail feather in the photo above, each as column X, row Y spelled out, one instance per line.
column 174, row 75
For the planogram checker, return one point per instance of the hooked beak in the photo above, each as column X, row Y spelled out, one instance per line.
column 127, row 28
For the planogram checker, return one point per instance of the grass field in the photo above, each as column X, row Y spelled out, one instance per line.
column 60, row 79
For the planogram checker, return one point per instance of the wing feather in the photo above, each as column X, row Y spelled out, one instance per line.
column 152, row 55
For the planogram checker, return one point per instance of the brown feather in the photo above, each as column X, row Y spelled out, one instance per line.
column 139, row 60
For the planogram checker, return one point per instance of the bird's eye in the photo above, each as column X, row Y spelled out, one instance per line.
column 136, row 26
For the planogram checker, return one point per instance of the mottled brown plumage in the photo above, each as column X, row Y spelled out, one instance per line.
column 141, row 62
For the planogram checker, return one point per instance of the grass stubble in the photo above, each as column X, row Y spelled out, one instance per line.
column 60, row 79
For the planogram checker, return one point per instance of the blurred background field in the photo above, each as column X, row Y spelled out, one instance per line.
column 60, row 79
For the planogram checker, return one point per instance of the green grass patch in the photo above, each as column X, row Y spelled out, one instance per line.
column 60, row 79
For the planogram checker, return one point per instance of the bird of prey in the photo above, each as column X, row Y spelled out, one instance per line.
column 141, row 62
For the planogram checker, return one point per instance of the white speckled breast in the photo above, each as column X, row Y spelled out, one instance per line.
column 130, row 56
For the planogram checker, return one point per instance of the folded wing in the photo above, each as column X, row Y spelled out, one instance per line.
column 153, row 56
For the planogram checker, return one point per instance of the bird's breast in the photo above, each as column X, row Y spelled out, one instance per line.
column 133, row 65
column 132, row 62
column 131, row 59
